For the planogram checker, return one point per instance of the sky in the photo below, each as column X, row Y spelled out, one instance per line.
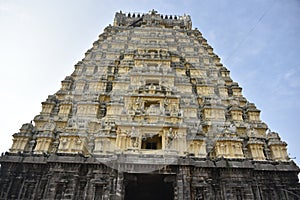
column 258, row 41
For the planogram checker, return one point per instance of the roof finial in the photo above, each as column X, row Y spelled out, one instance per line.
column 153, row 12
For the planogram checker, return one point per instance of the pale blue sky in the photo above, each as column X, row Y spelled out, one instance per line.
column 258, row 41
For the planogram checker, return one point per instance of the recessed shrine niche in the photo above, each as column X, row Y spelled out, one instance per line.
column 152, row 143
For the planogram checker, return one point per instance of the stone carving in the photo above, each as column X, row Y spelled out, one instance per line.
column 149, row 95
column 50, row 126
column 64, row 143
column 135, row 137
column 171, row 135
column 139, row 104
column 277, row 147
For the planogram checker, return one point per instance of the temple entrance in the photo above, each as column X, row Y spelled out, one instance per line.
column 148, row 187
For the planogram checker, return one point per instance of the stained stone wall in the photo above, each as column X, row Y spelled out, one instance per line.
column 149, row 97
column 79, row 177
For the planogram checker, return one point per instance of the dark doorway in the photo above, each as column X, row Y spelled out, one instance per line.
column 148, row 187
column 153, row 142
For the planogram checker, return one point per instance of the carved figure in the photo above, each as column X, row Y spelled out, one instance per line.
column 166, row 102
column 134, row 136
column 170, row 136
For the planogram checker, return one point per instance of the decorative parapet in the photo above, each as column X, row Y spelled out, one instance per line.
column 236, row 113
column 73, row 144
column 198, row 148
column 48, row 105
column 67, row 83
column 43, row 143
column 256, row 131
column 236, row 90
column 21, row 139
column 255, row 148
column 277, row 147
column 153, row 18
column 213, row 109
column 45, row 138
column 252, row 113
column 228, row 144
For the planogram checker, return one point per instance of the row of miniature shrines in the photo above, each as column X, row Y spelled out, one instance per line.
column 226, row 145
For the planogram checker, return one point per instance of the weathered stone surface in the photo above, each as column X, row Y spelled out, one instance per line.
column 149, row 113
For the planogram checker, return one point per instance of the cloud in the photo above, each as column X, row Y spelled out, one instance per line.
column 292, row 77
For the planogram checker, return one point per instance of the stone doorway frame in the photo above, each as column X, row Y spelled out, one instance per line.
column 138, row 182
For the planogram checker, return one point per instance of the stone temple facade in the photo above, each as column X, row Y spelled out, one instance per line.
column 149, row 113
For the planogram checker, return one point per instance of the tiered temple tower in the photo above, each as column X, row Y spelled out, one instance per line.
column 149, row 113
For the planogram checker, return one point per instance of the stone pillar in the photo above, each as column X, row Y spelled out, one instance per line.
column 120, row 191
column 183, row 183
column 113, row 184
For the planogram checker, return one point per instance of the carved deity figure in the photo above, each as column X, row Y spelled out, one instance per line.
column 166, row 102
column 78, row 141
column 50, row 125
column 170, row 136
column 54, row 146
column 64, row 141
column 72, row 123
column 139, row 103
column 252, row 132
column 134, row 136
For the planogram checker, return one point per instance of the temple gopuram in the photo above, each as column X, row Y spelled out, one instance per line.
column 150, row 112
